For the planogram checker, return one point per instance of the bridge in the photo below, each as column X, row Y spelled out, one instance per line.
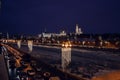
column 37, row 61
column 22, row 65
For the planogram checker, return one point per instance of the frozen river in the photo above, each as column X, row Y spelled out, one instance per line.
column 87, row 63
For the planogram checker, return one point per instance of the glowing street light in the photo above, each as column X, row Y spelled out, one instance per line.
column 67, row 44
column 19, row 43
column 30, row 45
column 66, row 54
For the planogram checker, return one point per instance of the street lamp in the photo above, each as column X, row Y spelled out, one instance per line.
column 19, row 43
column 30, row 45
column 66, row 55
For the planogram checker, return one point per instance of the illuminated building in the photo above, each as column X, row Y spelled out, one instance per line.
column 78, row 30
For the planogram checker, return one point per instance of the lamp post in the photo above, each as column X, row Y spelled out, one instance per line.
column 19, row 43
column 30, row 45
column 66, row 55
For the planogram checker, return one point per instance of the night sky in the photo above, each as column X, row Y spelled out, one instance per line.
column 36, row 16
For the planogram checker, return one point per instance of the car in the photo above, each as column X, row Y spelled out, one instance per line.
column 46, row 74
column 38, row 68
column 31, row 72
column 23, row 76
column 19, row 70
column 23, row 63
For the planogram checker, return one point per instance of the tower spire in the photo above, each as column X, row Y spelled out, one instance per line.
column 78, row 30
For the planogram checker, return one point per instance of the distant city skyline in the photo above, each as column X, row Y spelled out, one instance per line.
column 33, row 17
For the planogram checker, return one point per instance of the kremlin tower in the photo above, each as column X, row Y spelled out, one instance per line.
column 78, row 30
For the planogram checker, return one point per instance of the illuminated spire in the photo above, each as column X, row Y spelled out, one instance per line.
column 78, row 30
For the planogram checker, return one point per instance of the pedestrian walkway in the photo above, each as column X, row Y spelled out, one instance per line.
column 3, row 69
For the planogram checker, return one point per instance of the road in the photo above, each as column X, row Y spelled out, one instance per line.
column 86, row 63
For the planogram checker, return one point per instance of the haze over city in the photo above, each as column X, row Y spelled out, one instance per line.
column 36, row 16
